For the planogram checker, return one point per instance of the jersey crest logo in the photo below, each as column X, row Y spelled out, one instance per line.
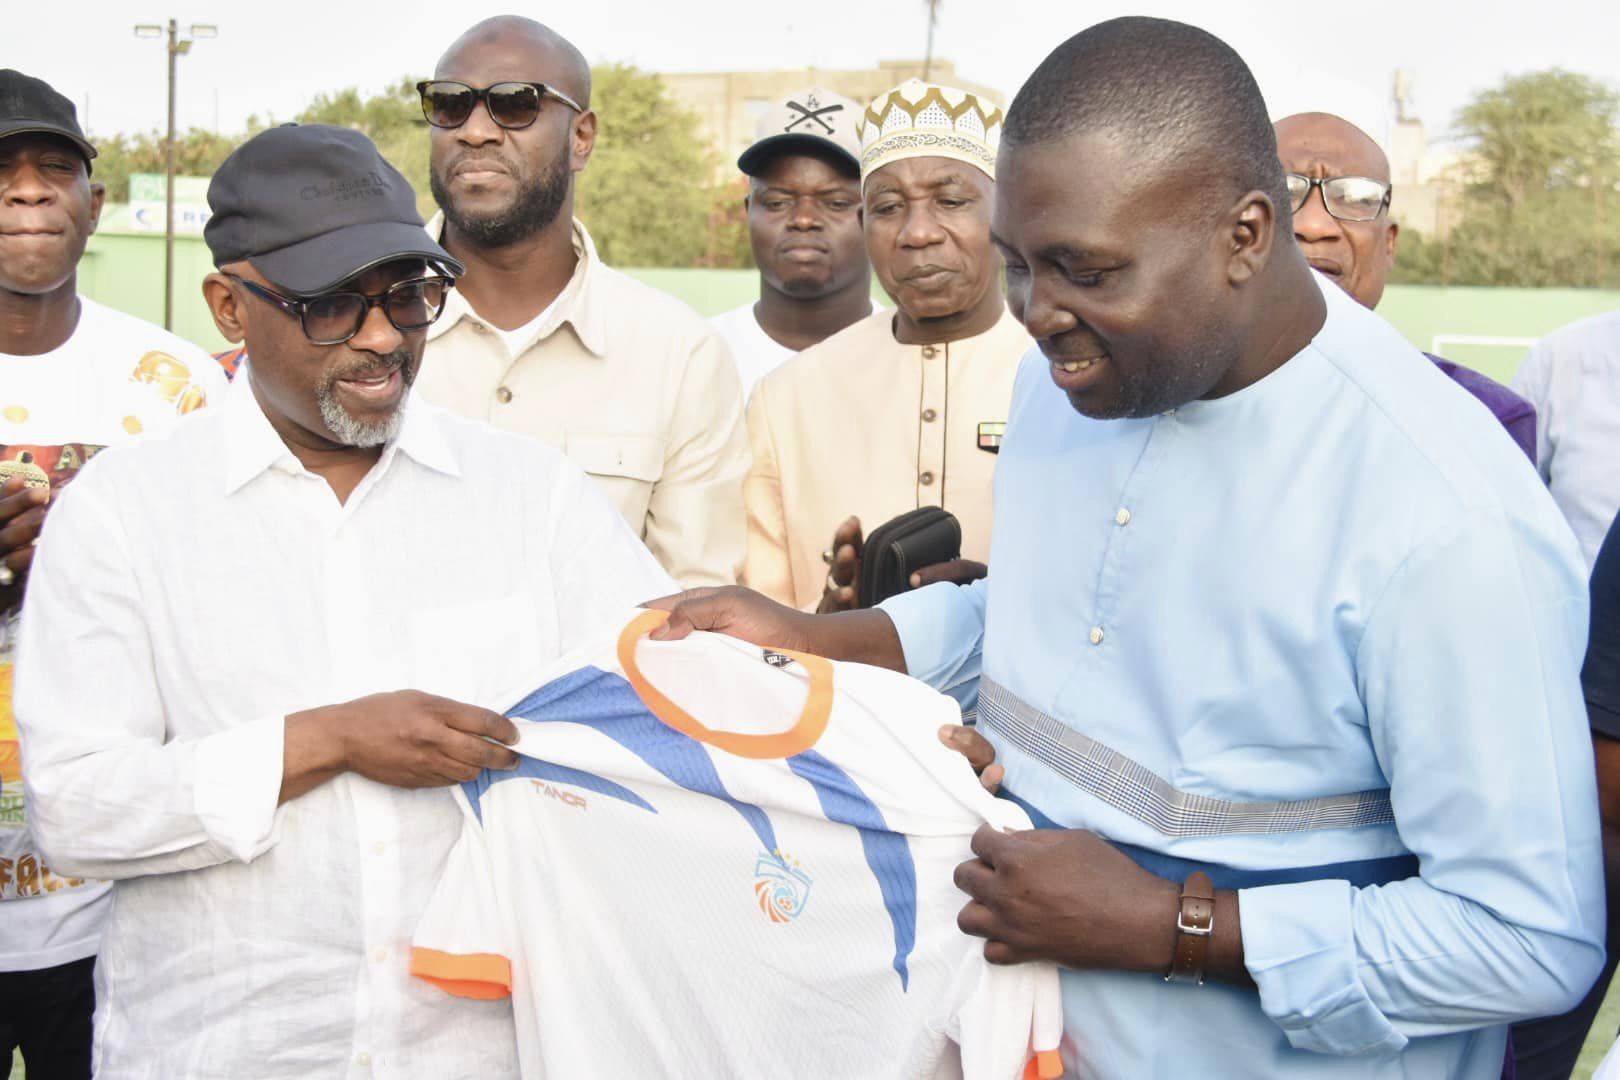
column 782, row 886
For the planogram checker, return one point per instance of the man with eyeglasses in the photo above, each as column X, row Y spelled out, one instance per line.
column 75, row 377
column 540, row 337
column 273, row 815
column 1339, row 186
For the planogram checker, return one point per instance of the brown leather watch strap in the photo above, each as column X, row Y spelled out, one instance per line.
column 1195, row 922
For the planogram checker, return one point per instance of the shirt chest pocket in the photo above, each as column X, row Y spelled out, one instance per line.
column 480, row 653
column 626, row 467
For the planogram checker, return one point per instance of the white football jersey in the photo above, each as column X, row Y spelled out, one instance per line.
column 721, row 861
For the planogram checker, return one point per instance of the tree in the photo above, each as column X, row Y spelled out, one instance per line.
column 1549, row 131
column 1539, row 203
column 646, row 194
column 393, row 120
column 196, row 153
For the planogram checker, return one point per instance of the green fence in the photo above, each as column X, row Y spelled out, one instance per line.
column 125, row 270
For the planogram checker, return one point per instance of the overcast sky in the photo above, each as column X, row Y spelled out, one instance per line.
column 271, row 58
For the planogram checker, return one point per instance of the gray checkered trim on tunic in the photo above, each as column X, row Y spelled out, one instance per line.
column 1131, row 789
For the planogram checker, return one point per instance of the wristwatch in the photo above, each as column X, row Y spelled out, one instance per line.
column 1195, row 922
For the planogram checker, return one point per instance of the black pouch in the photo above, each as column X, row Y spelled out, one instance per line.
column 899, row 547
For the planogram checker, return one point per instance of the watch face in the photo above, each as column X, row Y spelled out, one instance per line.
column 990, row 433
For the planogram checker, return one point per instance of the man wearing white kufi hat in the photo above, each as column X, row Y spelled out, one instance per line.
column 905, row 408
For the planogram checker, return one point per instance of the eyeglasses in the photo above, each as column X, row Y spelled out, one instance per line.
column 512, row 105
column 335, row 317
column 1348, row 198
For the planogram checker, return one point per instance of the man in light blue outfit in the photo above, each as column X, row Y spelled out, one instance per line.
column 1272, row 605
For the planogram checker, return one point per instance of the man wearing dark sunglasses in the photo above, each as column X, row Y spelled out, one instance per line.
column 260, row 649
column 1339, row 187
column 540, row 337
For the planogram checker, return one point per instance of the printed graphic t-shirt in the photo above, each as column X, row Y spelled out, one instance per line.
column 717, row 860
column 116, row 378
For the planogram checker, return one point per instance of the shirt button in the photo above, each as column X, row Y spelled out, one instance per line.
column 929, row 352
column 929, row 415
column 362, row 1059
column 925, row 479
column 503, row 395
column 378, row 848
column 1122, row 516
column 1096, row 635
column 380, row 953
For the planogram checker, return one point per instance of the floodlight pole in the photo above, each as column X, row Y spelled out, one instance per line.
column 168, row 193
column 176, row 48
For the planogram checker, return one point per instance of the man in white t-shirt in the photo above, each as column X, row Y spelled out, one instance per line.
column 74, row 378
column 804, row 222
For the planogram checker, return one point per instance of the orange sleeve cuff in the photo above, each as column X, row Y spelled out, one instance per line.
column 1045, row 1065
column 484, row 976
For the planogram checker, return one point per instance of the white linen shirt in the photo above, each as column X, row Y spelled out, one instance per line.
column 192, row 591
column 1572, row 377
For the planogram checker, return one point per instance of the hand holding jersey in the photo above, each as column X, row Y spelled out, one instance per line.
column 404, row 739
column 809, row 856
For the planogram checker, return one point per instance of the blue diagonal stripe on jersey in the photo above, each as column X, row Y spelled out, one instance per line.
column 610, row 704
column 887, row 852
column 535, row 769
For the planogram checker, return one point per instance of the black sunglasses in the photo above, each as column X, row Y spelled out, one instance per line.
column 513, row 105
column 334, row 317
column 1348, row 198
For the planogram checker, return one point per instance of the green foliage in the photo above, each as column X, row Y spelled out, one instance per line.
column 196, row 153
column 392, row 120
column 1542, row 205
column 1549, row 131
column 728, row 226
column 645, row 194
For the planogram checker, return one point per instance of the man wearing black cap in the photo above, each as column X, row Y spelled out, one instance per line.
column 74, row 377
column 804, row 224
column 273, row 815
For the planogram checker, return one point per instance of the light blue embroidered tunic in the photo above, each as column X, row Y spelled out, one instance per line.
column 1334, row 617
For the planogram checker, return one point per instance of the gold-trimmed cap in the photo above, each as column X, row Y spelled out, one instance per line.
column 918, row 119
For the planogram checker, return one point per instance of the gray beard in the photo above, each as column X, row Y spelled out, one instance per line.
column 352, row 432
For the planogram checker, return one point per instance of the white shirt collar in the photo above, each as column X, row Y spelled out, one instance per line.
column 254, row 447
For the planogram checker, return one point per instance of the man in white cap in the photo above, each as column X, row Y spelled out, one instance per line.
column 804, row 224
column 903, row 409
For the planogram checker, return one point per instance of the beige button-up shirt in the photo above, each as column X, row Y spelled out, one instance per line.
column 861, row 424
column 632, row 385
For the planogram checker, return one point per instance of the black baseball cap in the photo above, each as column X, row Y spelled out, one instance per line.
column 312, row 205
column 29, row 105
